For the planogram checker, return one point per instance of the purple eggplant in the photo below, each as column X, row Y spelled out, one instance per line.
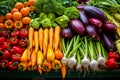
column 84, row 18
column 67, row 33
column 109, row 27
column 99, row 30
column 91, row 31
column 95, row 12
column 80, row 7
column 95, row 22
column 79, row 1
column 108, row 42
column 97, row 37
column 77, row 26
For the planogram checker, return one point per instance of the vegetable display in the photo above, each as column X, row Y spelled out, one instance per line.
column 59, row 35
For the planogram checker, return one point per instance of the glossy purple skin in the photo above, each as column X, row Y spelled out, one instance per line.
column 95, row 22
column 79, row 1
column 109, row 43
column 67, row 33
column 80, row 7
column 84, row 18
column 90, row 30
column 109, row 27
column 77, row 26
column 95, row 12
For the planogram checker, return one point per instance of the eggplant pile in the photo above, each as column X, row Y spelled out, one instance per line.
column 93, row 23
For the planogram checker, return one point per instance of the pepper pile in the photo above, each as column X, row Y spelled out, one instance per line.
column 12, row 44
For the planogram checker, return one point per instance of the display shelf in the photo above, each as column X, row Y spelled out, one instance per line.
column 57, row 74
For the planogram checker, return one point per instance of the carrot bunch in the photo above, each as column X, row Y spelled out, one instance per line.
column 44, row 49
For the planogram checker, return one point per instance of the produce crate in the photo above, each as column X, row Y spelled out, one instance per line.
column 57, row 74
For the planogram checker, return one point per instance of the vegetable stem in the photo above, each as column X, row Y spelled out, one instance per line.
column 69, row 47
column 63, row 46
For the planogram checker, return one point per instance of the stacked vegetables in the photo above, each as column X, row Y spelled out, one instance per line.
column 111, row 10
column 42, row 53
column 13, row 34
column 61, row 35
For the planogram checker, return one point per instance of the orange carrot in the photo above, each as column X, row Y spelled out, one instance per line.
column 51, row 34
column 35, row 67
column 36, row 41
column 29, row 54
column 60, row 45
column 33, row 43
column 40, row 37
column 63, row 71
column 58, row 54
column 40, row 70
column 57, row 37
column 30, row 36
column 45, row 42
column 33, row 58
column 29, row 64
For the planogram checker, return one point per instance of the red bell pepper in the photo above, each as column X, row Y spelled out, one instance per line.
column 23, row 33
column 0, row 32
column 23, row 43
column 14, row 41
column 113, row 55
column 6, row 55
column 2, row 40
column 6, row 45
column 111, row 64
column 4, row 64
column 15, row 33
column 5, row 33
column 0, row 57
column 13, row 65
column 16, row 57
column 17, row 49
column 0, row 47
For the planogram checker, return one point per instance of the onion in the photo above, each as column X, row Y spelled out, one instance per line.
column 64, row 61
column 85, row 62
column 72, row 62
column 94, row 65
column 101, row 60
column 78, row 67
